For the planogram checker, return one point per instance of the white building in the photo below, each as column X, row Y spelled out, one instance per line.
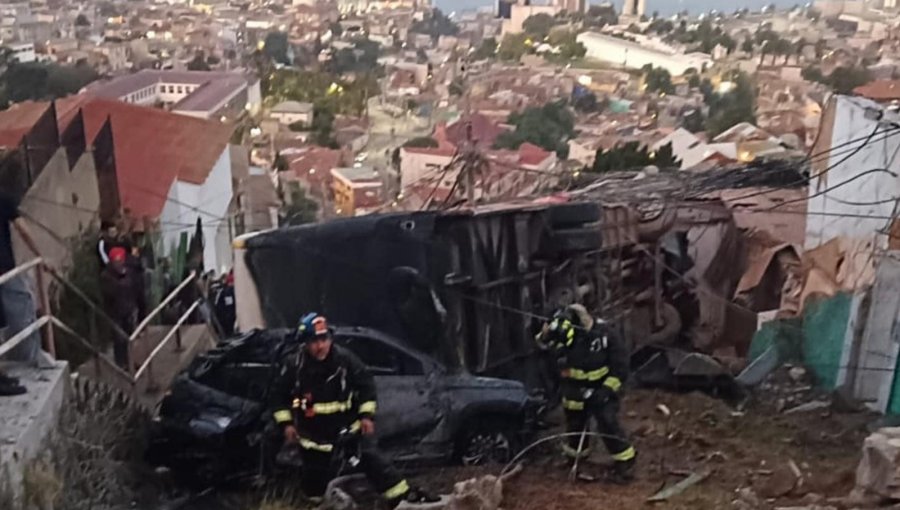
column 22, row 52
column 201, row 94
column 289, row 112
column 632, row 55
column 851, row 192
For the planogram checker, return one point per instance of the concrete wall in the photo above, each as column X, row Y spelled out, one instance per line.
column 414, row 165
column 209, row 202
column 63, row 203
column 841, row 201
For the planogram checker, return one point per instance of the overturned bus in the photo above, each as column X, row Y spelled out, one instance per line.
column 467, row 287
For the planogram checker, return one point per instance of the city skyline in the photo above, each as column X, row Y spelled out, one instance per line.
column 664, row 7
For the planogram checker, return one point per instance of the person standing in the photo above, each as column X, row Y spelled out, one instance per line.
column 593, row 364
column 325, row 401
column 224, row 303
column 17, row 302
column 121, row 301
column 109, row 239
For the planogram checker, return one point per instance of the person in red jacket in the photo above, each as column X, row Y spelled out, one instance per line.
column 121, row 298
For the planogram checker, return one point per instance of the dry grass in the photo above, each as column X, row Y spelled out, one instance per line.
column 40, row 485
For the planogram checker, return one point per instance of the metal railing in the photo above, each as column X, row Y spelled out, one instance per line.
column 48, row 321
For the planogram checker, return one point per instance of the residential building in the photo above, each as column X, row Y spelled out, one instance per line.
column 201, row 94
column 310, row 167
column 357, row 190
column 292, row 112
column 170, row 169
column 22, row 52
column 58, row 181
column 633, row 55
column 853, row 192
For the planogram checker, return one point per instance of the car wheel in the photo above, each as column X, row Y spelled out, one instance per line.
column 487, row 442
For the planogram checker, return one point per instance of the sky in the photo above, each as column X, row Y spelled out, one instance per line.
column 665, row 7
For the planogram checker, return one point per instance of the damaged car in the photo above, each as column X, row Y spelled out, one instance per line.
column 215, row 420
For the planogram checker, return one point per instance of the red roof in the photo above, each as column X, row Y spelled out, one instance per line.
column 484, row 130
column 320, row 159
column 17, row 121
column 532, row 155
column 880, row 90
column 152, row 148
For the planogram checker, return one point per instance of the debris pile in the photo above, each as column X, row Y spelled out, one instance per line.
column 791, row 389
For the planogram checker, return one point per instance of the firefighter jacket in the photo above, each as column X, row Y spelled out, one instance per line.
column 324, row 398
column 593, row 361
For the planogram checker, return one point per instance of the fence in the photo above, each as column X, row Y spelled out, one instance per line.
column 48, row 322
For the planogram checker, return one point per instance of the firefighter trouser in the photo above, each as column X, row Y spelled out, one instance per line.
column 320, row 467
column 606, row 414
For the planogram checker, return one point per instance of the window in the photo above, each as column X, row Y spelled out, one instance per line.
column 180, row 89
column 381, row 358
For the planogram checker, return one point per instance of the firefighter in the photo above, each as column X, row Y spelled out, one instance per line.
column 593, row 364
column 326, row 403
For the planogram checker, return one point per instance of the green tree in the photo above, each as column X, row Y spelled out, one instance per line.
column 567, row 44
column 198, row 63
column 538, row 26
column 747, row 46
column 549, row 126
column 812, row 73
column 733, row 107
column 322, row 127
column 301, row 209
column 513, row 47
column 82, row 21
column 276, row 47
column 435, row 24
column 843, row 79
column 658, row 79
column 693, row 121
column 35, row 81
column 456, row 88
column 488, row 49
column 337, row 29
column 631, row 156
column 362, row 58
column 601, row 15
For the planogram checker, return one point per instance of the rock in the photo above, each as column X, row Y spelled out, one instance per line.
column 483, row 493
column 813, row 498
column 878, row 473
column 781, row 483
column 748, row 497
column 815, row 405
column 797, row 374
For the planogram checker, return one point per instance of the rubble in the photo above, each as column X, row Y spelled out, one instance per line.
column 878, row 473
column 679, row 487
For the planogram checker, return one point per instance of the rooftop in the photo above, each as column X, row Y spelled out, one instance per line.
column 215, row 87
column 292, row 107
column 183, row 148
column 880, row 90
column 357, row 175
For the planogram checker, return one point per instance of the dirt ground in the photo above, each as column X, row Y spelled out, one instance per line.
column 749, row 452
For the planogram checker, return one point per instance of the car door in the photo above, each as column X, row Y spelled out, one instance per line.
column 407, row 410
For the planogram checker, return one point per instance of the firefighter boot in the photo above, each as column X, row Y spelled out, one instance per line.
column 623, row 472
